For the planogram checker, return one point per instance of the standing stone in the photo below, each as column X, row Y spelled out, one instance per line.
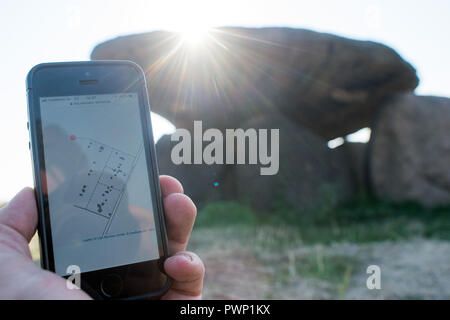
column 357, row 155
column 201, row 182
column 309, row 172
column 410, row 151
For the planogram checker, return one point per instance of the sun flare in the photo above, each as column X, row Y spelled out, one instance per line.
column 194, row 35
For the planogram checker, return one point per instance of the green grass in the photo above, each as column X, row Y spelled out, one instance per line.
column 222, row 213
column 364, row 220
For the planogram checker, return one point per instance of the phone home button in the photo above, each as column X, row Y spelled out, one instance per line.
column 111, row 285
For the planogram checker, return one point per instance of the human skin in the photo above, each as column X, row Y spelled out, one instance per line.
column 20, row 278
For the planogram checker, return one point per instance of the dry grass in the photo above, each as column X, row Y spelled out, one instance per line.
column 251, row 270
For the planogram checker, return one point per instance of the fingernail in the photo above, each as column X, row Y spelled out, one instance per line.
column 185, row 256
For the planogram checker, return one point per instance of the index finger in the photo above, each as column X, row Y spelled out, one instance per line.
column 169, row 185
column 21, row 213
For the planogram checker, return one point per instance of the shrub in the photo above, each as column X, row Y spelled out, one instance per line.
column 225, row 213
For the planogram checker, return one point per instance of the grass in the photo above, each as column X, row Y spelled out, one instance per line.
column 288, row 240
column 226, row 213
column 334, row 269
column 364, row 220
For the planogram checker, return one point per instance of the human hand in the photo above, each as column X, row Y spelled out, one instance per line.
column 20, row 278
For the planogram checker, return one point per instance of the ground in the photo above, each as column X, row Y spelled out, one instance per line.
column 411, row 269
column 322, row 253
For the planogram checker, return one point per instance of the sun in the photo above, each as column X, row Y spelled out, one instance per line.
column 194, row 35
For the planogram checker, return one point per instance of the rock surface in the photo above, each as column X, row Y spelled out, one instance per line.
column 197, row 179
column 410, row 150
column 329, row 84
column 357, row 155
column 309, row 174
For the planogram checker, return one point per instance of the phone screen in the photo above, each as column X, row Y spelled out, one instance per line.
column 99, row 195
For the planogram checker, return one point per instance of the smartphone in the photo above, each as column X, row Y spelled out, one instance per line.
column 96, row 178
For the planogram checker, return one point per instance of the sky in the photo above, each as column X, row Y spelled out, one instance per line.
column 32, row 32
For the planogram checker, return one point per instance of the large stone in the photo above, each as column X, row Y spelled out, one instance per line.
column 357, row 155
column 310, row 173
column 410, row 150
column 329, row 84
column 201, row 182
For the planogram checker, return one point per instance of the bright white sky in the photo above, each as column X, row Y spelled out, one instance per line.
column 32, row 32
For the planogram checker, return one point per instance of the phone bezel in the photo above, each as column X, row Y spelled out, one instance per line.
column 62, row 79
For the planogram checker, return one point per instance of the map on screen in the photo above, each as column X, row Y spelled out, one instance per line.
column 100, row 203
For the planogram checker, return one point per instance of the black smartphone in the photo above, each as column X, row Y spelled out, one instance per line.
column 96, row 177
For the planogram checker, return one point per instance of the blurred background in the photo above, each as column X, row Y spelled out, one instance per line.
column 358, row 89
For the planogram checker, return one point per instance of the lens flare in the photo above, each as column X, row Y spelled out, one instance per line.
column 194, row 36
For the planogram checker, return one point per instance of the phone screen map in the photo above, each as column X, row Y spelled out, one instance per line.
column 99, row 196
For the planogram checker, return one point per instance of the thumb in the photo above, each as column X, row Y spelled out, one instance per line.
column 21, row 213
column 187, row 271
